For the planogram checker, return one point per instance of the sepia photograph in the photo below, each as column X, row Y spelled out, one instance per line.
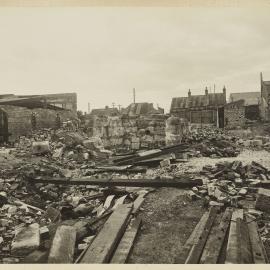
column 134, row 132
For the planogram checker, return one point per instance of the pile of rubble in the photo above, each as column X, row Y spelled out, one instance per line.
column 238, row 219
column 60, row 223
column 211, row 142
column 256, row 143
column 228, row 183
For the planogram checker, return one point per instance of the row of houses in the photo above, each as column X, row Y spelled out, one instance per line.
column 208, row 109
column 213, row 108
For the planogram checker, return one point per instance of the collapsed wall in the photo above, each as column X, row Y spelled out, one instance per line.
column 19, row 119
column 136, row 132
column 132, row 132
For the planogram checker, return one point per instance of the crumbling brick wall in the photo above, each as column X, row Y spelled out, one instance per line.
column 19, row 119
column 234, row 114
column 129, row 131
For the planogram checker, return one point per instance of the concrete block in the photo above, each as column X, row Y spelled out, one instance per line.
column 41, row 148
column 63, row 245
column 26, row 240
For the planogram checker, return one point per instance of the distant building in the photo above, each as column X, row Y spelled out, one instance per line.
column 265, row 99
column 252, row 101
column 234, row 114
column 204, row 109
column 107, row 111
column 143, row 108
column 16, row 113
column 66, row 101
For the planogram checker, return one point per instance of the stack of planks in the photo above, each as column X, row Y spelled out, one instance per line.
column 231, row 238
column 115, row 240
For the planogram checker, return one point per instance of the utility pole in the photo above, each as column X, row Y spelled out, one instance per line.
column 88, row 107
column 134, row 96
column 119, row 106
column 214, row 88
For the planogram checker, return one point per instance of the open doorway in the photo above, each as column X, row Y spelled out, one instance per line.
column 221, row 117
column 3, row 127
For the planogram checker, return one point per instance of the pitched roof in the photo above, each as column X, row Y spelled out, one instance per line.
column 250, row 98
column 141, row 108
column 213, row 99
column 104, row 111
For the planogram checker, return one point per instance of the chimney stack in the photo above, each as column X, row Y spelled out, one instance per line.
column 206, row 91
column 189, row 93
column 224, row 92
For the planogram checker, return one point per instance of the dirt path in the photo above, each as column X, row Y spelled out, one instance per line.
column 168, row 220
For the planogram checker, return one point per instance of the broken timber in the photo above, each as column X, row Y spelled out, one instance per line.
column 180, row 183
column 244, row 247
column 123, row 250
column 103, row 246
column 197, row 249
column 151, row 154
column 257, row 247
column 193, row 238
column 215, row 246
column 232, row 247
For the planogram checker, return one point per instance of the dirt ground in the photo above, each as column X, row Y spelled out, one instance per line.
column 169, row 218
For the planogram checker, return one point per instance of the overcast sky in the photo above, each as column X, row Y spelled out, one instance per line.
column 103, row 53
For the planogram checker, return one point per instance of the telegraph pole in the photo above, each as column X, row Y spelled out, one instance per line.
column 134, row 96
column 88, row 107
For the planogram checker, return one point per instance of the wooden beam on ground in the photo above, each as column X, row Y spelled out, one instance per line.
column 179, row 183
column 257, row 247
column 197, row 249
column 123, row 250
column 244, row 247
column 138, row 203
column 215, row 245
column 193, row 238
column 152, row 154
column 103, row 246
column 232, row 247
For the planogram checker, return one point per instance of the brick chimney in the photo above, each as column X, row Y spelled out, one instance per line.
column 224, row 92
column 206, row 91
column 189, row 93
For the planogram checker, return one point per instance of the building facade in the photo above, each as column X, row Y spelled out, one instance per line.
column 252, row 102
column 207, row 109
column 234, row 114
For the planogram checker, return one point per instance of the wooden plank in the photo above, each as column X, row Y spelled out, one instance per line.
column 180, row 183
column 148, row 155
column 232, row 248
column 106, row 241
column 123, row 250
column 193, row 238
column 257, row 247
column 197, row 249
column 244, row 247
column 138, row 203
column 119, row 201
column 212, row 252
column 106, row 205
